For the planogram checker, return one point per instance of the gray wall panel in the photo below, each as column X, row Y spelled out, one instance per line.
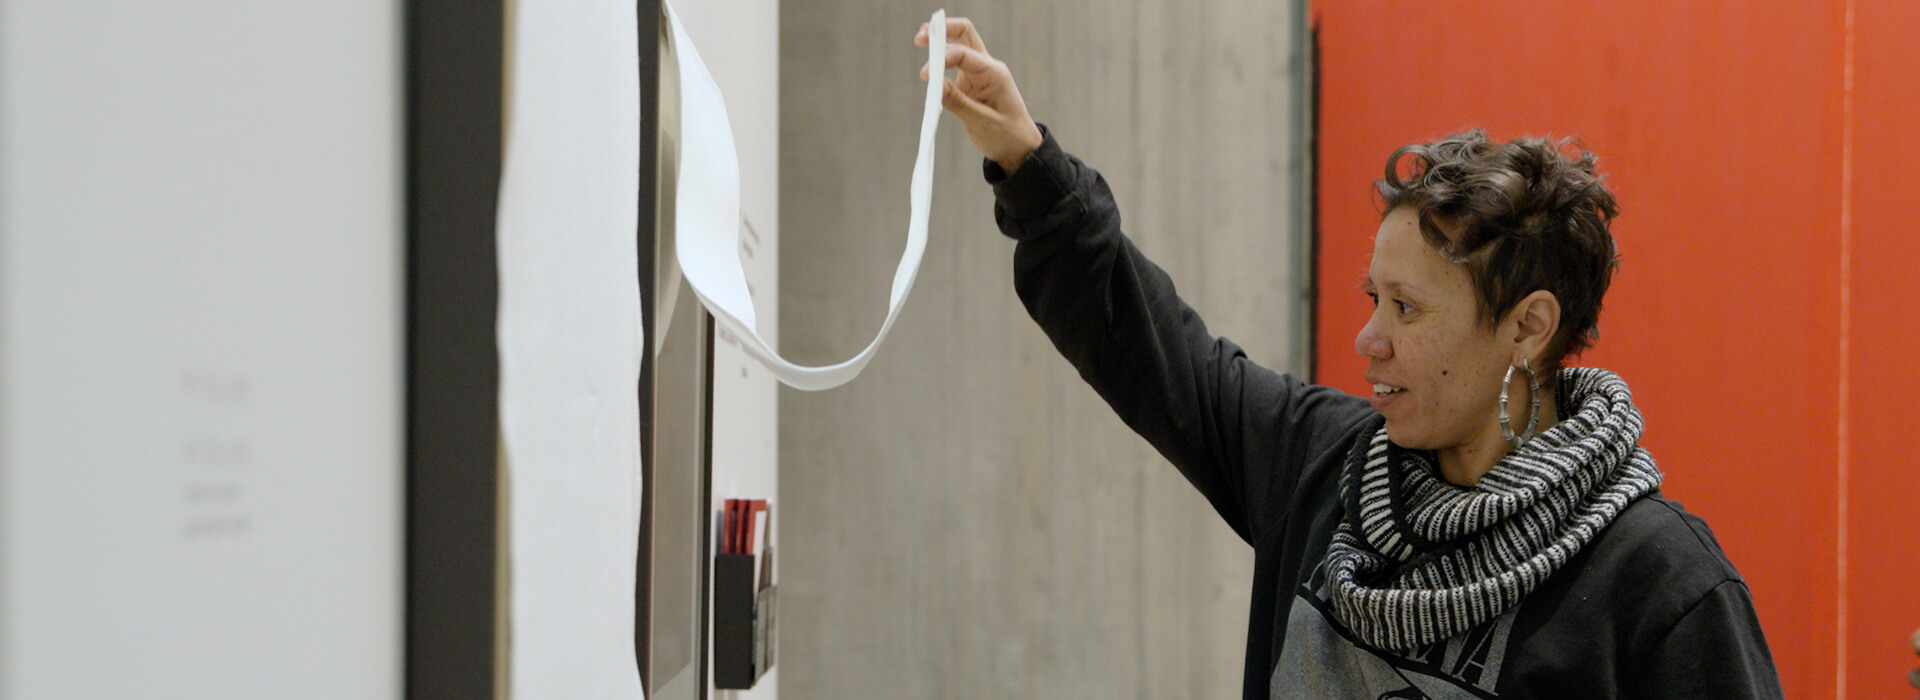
column 202, row 385
column 968, row 519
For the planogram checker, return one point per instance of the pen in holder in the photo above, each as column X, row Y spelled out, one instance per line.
column 745, row 603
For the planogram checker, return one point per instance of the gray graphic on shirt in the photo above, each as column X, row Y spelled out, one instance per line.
column 1322, row 659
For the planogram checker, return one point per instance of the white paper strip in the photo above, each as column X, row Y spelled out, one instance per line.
column 571, row 341
column 707, row 212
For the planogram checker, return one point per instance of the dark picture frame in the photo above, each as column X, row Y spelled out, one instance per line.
column 455, row 53
column 454, row 630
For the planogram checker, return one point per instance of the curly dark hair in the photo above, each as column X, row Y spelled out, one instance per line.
column 1525, row 214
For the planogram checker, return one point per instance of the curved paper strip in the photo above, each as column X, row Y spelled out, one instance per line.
column 707, row 213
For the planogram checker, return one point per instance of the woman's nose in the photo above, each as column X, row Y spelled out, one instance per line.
column 1372, row 343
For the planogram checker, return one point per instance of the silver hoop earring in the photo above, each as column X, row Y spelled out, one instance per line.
column 1533, row 416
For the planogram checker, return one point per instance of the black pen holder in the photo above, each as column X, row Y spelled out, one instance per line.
column 743, row 623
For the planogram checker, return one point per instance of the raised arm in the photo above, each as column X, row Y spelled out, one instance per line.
column 1238, row 431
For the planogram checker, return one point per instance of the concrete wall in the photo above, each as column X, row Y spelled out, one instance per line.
column 968, row 519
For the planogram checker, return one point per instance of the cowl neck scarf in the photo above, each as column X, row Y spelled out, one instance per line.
column 1417, row 560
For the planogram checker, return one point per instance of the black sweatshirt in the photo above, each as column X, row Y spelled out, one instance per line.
column 1650, row 609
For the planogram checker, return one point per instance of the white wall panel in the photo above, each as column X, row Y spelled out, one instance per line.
column 200, row 349
column 740, row 42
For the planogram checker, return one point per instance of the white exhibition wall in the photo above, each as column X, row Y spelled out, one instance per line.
column 570, row 343
column 739, row 42
column 202, row 252
column 201, row 246
column 568, row 339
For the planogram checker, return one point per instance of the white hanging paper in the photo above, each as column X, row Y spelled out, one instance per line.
column 571, row 340
column 707, row 212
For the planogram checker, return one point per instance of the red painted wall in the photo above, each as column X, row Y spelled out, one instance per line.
column 1722, row 126
column 1882, row 580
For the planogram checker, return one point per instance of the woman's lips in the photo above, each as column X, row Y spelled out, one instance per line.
column 1384, row 395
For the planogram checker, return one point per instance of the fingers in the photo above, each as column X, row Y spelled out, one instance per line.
column 969, row 60
column 967, row 108
column 959, row 30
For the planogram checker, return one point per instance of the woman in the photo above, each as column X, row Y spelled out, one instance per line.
column 1486, row 525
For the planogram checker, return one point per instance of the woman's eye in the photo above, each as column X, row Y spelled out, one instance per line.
column 1404, row 309
column 1375, row 298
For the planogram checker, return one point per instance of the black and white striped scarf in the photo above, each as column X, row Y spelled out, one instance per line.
column 1417, row 560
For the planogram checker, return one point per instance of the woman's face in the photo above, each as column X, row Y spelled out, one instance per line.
column 1434, row 364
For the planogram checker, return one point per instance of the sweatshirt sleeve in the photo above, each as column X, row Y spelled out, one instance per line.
column 1239, row 432
column 1715, row 650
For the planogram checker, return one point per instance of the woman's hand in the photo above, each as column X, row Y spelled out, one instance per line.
column 984, row 97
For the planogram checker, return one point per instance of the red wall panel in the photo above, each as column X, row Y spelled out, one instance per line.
column 1719, row 126
column 1882, row 579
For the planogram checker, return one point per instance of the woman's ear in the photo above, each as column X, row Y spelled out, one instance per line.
column 1537, row 318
